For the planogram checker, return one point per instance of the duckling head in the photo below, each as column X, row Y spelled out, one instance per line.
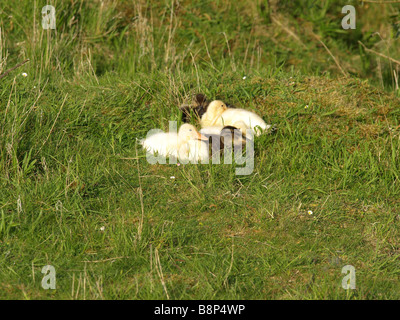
column 216, row 107
column 188, row 132
column 214, row 110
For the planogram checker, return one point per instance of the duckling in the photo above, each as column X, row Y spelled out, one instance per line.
column 188, row 145
column 197, row 108
column 221, row 138
column 218, row 114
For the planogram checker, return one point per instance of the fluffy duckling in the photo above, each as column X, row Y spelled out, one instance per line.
column 197, row 108
column 188, row 145
column 218, row 114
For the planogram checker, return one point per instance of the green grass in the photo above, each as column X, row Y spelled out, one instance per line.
column 77, row 192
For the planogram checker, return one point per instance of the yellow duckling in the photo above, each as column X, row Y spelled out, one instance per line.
column 188, row 145
column 218, row 114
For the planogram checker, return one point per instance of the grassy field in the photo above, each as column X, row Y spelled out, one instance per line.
column 77, row 193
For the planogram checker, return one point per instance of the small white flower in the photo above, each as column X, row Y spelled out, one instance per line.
column 102, row 228
column 306, row 107
column 244, row 78
column 309, row 212
column 178, row 164
column 24, row 74
column 172, row 177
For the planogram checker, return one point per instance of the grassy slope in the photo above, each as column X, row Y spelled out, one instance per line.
column 70, row 163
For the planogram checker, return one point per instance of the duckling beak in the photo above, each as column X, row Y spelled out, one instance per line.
column 201, row 137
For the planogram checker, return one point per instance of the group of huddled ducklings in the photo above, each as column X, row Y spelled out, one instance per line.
column 219, row 123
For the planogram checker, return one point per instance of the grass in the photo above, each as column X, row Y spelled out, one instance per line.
column 77, row 192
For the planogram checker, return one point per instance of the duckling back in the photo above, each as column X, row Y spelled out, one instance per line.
column 162, row 143
column 231, row 116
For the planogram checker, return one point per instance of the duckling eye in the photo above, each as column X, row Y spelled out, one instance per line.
column 190, row 129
